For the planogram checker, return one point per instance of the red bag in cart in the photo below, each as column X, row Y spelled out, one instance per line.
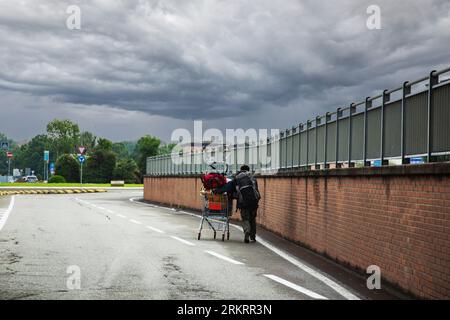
column 213, row 180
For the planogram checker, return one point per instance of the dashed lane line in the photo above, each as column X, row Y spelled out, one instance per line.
column 183, row 241
column 217, row 255
column 296, row 287
column 135, row 221
column 121, row 216
column 154, row 229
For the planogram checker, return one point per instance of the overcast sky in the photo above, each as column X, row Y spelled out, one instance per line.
column 149, row 67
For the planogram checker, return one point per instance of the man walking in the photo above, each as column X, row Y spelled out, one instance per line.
column 247, row 201
column 245, row 188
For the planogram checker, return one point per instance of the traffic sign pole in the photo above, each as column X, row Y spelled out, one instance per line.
column 46, row 161
column 9, row 168
column 81, row 160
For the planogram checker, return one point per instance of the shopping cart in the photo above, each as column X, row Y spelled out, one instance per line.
column 216, row 212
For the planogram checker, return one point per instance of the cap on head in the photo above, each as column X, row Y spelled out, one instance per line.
column 245, row 168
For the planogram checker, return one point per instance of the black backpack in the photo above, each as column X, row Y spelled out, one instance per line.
column 247, row 191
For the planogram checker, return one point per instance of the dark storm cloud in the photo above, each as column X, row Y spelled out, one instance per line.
column 284, row 61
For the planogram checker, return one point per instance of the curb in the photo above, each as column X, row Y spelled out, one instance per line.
column 51, row 191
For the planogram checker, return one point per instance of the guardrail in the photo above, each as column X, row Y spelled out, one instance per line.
column 398, row 126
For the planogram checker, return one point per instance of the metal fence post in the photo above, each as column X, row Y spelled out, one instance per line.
column 318, row 120
column 367, row 105
column 286, row 148
column 293, row 131
column 352, row 108
column 386, row 98
column 338, row 115
column 432, row 81
column 300, row 129
column 325, row 154
column 405, row 91
column 308, row 125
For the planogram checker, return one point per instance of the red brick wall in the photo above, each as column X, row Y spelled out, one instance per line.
column 400, row 223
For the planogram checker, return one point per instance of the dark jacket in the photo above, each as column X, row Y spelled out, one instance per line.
column 230, row 187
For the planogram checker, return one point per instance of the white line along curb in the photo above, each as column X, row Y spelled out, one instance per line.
column 296, row 287
column 7, row 212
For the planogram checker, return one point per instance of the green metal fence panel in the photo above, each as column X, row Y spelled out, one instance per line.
column 440, row 120
column 303, row 148
column 392, row 130
column 296, row 149
column 311, row 146
column 283, row 152
column 263, row 157
column 343, row 140
column 289, row 151
column 357, row 137
column 331, row 142
column 275, row 154
column 416, row 124
column 321, row 144
column 373, row 138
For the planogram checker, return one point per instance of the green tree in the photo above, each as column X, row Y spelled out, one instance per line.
column 88, row 140
column 146, row 146
column 166, row 148
column 127, row 170
column 64, row 135
column 100, row 166
column 31, row 154
column 121, row 151
column 68, row 167
column 104, row 144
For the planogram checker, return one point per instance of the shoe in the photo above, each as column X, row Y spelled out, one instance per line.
column 246, row 238
column 253, row 238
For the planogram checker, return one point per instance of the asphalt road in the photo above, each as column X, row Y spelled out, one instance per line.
column 103, row 246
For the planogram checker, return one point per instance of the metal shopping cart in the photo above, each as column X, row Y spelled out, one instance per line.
column 216, row 212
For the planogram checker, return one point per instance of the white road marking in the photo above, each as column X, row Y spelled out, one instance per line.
column 332, row 284
column 223, row 257
column 135, row 221
column 101, row 208
column 183, row 241
column 296, row 287
column 154, row 229
column 7, row 212
column 109, row 211
column 121, row 216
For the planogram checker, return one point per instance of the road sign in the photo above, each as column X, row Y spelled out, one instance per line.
column 4, row 145
column 82, row 150
column 9, row 154
column 52, row 168
column 81, row 159
column 46, row 155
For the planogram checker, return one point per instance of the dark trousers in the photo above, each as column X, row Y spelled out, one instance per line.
column 249, row 221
